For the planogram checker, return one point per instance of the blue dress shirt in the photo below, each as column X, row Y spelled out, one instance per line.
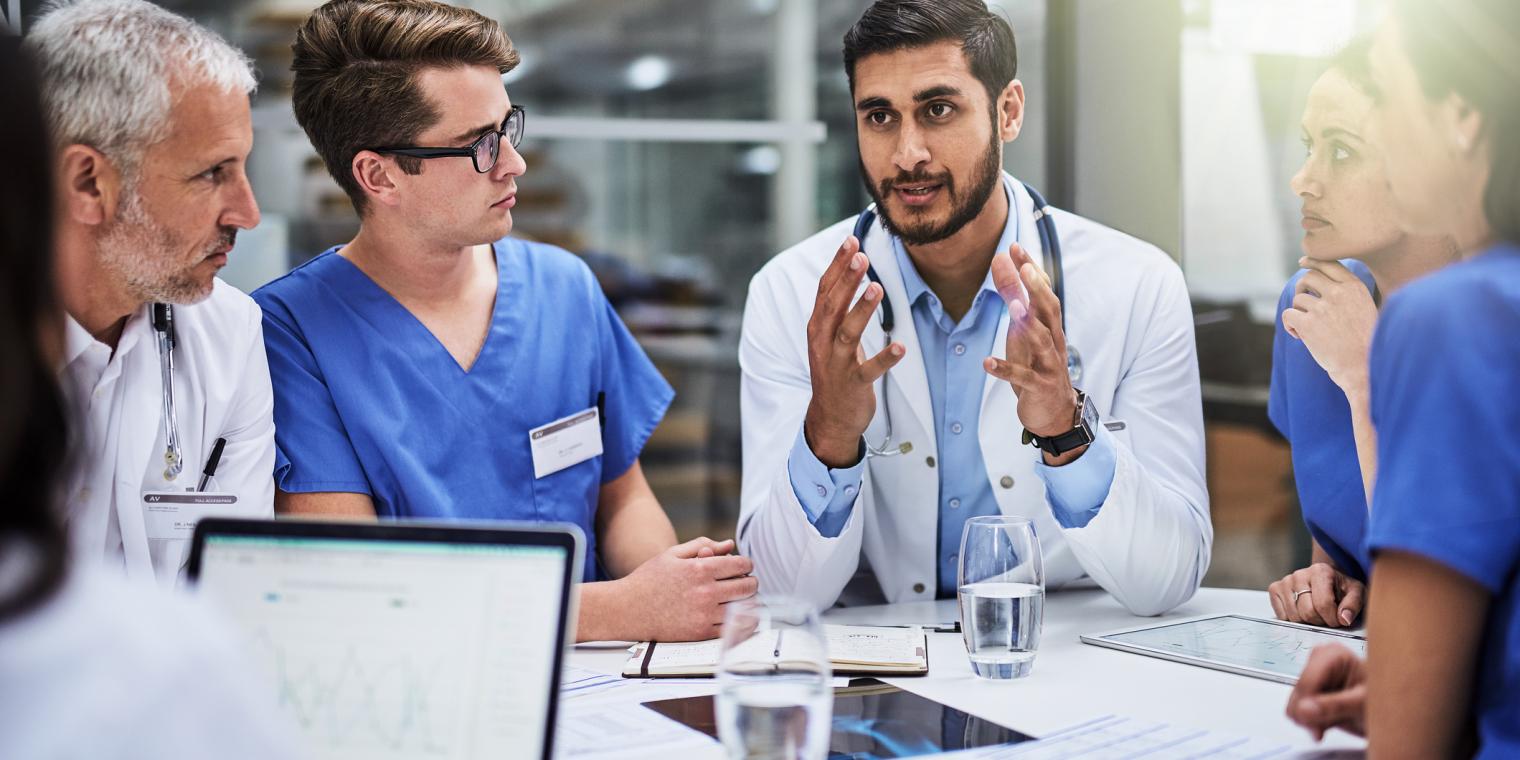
column 952, row 353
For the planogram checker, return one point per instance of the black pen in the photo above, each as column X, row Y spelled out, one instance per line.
column 210, row 468
column 954, row 627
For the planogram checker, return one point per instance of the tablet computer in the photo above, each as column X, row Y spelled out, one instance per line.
column 872, row 719
column 1271, row 649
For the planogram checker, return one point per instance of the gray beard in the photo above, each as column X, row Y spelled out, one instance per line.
column 140, row 253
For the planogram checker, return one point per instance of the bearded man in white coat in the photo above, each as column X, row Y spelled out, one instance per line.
column 869, row 440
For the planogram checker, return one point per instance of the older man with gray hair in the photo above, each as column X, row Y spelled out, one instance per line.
column 164, row 362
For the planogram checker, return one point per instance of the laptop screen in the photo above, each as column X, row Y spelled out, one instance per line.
column 398, row 648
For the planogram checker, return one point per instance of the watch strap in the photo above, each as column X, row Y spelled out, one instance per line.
column 1081, row 434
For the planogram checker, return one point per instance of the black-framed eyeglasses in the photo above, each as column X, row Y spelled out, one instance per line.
column 483, row 151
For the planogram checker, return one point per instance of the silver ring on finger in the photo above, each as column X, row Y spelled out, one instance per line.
column 1299, row 593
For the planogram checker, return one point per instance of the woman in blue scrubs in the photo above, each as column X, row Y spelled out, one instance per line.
column 434, row 367
column 1443, row 668
column 1354, row 252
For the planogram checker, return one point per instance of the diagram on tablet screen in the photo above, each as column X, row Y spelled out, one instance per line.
column 1241, row 641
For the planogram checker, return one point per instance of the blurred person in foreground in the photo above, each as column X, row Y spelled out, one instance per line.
column 90, row 665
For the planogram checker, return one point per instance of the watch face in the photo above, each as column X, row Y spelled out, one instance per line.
column 1089, row 416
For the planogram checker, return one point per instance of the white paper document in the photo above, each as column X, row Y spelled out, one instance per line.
column 1115, row 737
column 617, row 729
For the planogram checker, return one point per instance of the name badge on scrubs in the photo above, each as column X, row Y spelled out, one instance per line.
column 566, row 442
column 172, row 515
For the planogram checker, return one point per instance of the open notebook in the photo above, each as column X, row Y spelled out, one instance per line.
column 853, row 650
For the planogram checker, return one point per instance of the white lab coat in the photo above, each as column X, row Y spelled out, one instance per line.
column 1128, row 315
column 221, row 389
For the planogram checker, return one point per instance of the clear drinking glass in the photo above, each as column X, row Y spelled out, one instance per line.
column 1002, row 595
column 775, row 698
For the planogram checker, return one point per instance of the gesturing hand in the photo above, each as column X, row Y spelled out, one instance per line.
column 843, row 398
column 1333, row 314
column 1036, row 347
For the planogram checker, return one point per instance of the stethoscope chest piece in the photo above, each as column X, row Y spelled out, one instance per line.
column 1073, row 364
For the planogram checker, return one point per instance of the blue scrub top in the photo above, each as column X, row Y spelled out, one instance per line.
column 1445, row 369
column 366, row 400
column 1312, row 412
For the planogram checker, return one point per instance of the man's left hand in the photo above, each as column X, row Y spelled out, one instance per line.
column 1036, row 349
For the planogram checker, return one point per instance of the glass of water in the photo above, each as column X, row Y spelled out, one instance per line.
column 775, row 696
column 1002, row 595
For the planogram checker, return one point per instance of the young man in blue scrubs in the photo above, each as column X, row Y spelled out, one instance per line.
column 1443, row 664
column 1354, row 250
column 434, row 367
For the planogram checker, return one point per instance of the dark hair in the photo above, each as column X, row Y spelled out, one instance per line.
column 1468, row 47
column 1352, row 62
column 985, row 38
column 33, row 426
column 356, row 63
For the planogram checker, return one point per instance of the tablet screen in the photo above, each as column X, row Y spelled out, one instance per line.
column 1246, row 642
column 874, row 720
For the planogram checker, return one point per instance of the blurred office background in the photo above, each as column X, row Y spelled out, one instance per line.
column 677, row 144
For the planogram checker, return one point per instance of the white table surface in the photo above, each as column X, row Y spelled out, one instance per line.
column 1073, row 682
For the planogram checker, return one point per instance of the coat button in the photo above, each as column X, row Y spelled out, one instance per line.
column 918, row 588
column 929, row 461
column 1006, row 482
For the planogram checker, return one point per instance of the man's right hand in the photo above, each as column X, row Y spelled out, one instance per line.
column 844, row 400
column 678, row 595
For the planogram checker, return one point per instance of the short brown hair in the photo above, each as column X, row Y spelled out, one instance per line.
column 356, row 63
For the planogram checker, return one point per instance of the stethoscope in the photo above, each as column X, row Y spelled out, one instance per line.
column 1051, row 245
column 163, row 324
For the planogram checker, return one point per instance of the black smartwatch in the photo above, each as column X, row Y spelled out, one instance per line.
column 1083, row 431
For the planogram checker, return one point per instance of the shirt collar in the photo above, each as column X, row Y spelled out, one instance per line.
column 914, row 283
column 77, row 340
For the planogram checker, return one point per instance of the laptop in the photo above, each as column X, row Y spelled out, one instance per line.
column 392, row 640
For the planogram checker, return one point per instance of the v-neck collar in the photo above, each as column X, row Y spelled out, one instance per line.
column 379, row 299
